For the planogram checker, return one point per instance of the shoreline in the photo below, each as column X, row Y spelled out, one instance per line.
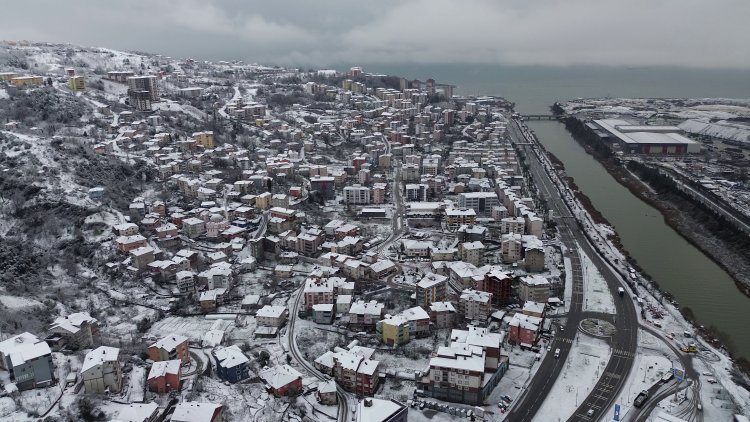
column 618, row 171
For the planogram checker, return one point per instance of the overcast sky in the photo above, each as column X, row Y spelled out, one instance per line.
column 692, row 33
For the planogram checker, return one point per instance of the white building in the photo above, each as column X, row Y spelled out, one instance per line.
column 357, row 195
column 101, row 371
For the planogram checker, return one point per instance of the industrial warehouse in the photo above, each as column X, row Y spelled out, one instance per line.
column 643, row 139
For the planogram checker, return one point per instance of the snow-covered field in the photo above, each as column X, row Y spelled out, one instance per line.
column 583, row 367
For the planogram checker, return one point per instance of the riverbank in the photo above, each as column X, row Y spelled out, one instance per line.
column 675, row 215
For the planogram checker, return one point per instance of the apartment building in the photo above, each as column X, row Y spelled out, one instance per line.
column 481, row 202
column 475, row 305
column 431, row 288
column 357, row 195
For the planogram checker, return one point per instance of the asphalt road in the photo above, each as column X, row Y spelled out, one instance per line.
column 342, row 395
column 623, row 343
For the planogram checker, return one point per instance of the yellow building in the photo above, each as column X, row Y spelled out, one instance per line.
column 76, row 83
column 205, row 138
column 27, row 80
column 6, row 76
column 393, row 330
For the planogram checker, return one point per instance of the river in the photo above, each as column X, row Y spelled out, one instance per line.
column 677, row 266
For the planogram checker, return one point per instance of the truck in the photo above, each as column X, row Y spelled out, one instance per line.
column 641, row 398
column 690, row 348
column 621, row 291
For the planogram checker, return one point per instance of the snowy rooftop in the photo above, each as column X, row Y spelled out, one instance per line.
column 476, row 296
column 431, row 279
column 194, row 412
column 162, row 368
column 231, row 356
column 170, row 343
column 269, row 311
column 361, row 307
column 99, row 355
column 72, row 323
column 442, row 307
column 279, row 376
column 378, row 410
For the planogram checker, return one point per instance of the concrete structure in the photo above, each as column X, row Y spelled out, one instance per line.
column 357, row 195
column 480, row 202
column 164, row 376
column 282, row 380
column 170, row 347
column 431, row 288
column 101, row 371
column 272, row 316
column 644, row 139
column 28, row 360
column 231, row 363
column 187, row 411
column 77, row 330
column 475, row 305
column 534, row 288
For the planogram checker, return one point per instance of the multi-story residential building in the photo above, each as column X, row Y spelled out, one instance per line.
column 170, row 347
column 318, row 290
column 205, row 138
column 142, row 92
column 416, row 248
column 282, row 380
column 481, row 202
column 101, row 371
column 272, row 316
column 231, row 363
column 512, row 225
column 77, row 330
column 500, row 284
column 356, row 373
column 468, row 370
column 365, row 314
column 511, row 247
column 324, row 185
column 472, row 252
column 164, row 376
column 524, row 329
column 309, row 244
column 456, row 217
column 128, row 243
column 357, row 195
column 379, row 410
column 193, row 227
column 393, row 330
column 419, row 321
column 378, row 193
column 28, row 361
column 431, row 288
column 534, row 288
column 77, row 83
column 416, row 192
column 442, row 314
column 263, row 201
column 475, row 305
column 533, row 258
column 185, row 282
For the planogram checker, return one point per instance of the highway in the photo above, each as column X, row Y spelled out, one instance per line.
column 623, row 343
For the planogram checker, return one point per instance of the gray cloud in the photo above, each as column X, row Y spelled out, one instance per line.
column 690, row 33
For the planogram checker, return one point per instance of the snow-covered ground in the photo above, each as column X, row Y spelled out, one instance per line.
column 587, row 358
column 596, row 294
